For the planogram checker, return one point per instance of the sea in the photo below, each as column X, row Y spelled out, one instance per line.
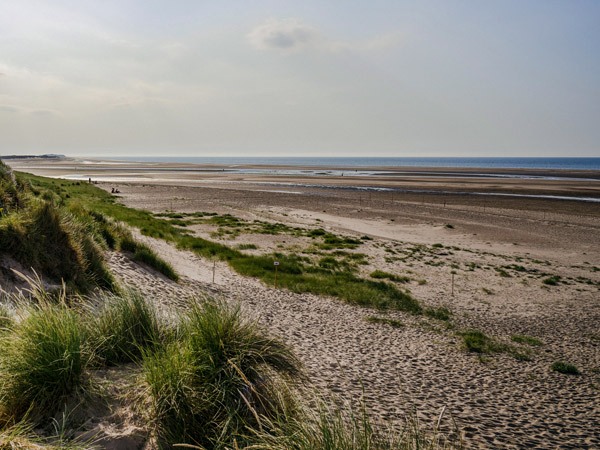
column 582, row 163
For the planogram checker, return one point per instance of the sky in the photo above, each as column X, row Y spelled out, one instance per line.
column 389, row 78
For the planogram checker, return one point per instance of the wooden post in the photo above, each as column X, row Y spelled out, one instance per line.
column 214, row 269
column 452, row 284
column 276, row 264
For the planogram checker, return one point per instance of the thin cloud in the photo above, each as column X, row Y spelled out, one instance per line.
column 43, row 112
column 289, row 35
column 9, row 109
column 284, row 35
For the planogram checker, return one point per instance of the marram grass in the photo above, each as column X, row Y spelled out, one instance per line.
column 42, row 362
column 123, row 328
column 214, row 381
column 217, row 379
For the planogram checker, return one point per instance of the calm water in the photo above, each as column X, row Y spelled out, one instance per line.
column 484, row 163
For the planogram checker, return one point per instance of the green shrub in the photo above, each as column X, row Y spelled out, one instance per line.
column 564, row 367
column 554, row 280
column 42, row 362
column 478, row 342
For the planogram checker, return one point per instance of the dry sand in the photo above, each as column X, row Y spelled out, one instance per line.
column 496, row 401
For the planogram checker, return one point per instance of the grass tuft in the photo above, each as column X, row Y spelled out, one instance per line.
column 385, row 320
column 380, row 274
column 327, row 428
column 524, row 339
column 564, row 367
column 42, row 362
column 125, row 327
column 441, row 313
column 218, row 379
column 478, row 342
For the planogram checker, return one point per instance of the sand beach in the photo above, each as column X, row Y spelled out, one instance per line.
column 480, row 243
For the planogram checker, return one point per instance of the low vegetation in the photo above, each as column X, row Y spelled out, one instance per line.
column 49, row 229
column 395, row 323
column 553, row 280
column 294, row 273
column 42, row 363
column 211, row 380
column 524, row 339
column 564, row 367
column 218, row 378
column 476, row 341
column 440, row 313
column 380, row 274
column 122, row 328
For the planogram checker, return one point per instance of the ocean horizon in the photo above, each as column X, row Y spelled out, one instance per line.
column 577, row 163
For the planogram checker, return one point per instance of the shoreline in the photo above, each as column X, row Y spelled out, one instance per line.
column 543, row 184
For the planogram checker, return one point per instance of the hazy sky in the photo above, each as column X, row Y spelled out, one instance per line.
column 291, row 78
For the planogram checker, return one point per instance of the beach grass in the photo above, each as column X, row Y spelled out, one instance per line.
column 293, row 274
column 218, row 379
column 525, row 339
column 439, row 313
column 212, row 380
column 123, row 328
column 42, row 363
column 380, row 274
column 478, row 342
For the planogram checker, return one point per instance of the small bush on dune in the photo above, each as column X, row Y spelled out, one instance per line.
column 125, row 326
column 42, row 362
column 218, row 379
column 564, row 367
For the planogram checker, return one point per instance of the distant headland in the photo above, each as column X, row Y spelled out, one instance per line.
column 47, row 156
